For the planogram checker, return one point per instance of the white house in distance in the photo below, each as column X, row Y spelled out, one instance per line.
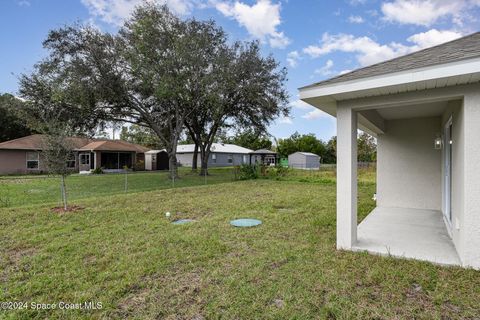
column 424, row 109
column 304, row 160
column 221, row 155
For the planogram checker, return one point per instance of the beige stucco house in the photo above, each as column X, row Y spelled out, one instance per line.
column 24, row 155
column 424, row 110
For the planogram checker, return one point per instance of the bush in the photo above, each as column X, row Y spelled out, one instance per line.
column 276, row 172
column 97, row 171
column 247, row 172
column 139, row 166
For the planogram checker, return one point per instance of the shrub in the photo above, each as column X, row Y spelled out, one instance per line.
column 276, row 172
column 247, row 172
column 97, row 171
column 139, row 166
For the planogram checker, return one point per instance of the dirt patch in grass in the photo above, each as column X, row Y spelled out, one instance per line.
column 17, row 254
column 136, row 300
column 61, row 210
column 178, row 295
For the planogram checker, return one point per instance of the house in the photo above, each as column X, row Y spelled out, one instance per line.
column 156, row 160
column 23, row 155
column 304, row 160
column 263, row 156
column 221, row 155
column 424, row 110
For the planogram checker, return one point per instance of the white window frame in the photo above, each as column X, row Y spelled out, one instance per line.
column 37, row 161
column 230, row 158
column 214, row 157
column 80, row 159
column 73, row 160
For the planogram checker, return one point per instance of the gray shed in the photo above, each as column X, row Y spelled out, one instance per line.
column 304, row 160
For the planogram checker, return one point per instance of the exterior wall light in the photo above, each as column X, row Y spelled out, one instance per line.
column 438, row 142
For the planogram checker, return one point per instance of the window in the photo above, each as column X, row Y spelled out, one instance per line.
column 214, row 158
column 33, row 160
column 230, row 158
column 71, row 161
column 245, row 158
column 85, row 159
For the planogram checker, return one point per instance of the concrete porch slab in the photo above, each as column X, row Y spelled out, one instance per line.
column 407, row 233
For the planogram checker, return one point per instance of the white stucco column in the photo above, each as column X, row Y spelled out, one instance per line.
column 346, row 177
column 470, row 228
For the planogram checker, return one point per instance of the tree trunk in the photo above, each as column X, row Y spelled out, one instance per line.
column 64, row 194
column 204, row 161
column 172, row 161
column 195, row 158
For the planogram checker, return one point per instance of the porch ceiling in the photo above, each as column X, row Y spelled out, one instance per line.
column 425, row 110
column 407, row 233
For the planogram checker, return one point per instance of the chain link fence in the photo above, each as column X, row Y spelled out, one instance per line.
column 28, row 190
column 34, row 189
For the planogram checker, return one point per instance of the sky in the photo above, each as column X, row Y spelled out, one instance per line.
column 313, row 39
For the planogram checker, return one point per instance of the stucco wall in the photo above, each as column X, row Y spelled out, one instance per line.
column 455, row 110
column 470, row 230
column 408, row 166
column 12, row 161
column 15, row 162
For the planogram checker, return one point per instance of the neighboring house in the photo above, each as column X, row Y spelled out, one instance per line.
column 304, row 160
column 263, row 156
column 23, row 155
column 221, row 155
column 424, row 110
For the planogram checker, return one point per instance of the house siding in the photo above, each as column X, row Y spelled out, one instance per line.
column 15, row 162
column 186, row 159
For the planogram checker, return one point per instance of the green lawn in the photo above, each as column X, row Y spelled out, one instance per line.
column 28, row 190
column 121, row 251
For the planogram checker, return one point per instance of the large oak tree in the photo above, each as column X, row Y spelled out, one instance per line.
column 162, row 73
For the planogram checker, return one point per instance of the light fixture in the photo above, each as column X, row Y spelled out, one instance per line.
column 438, row 142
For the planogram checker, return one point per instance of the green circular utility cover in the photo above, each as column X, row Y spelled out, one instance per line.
column 245, row 223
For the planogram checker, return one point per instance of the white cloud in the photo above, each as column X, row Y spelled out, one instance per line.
column 285, row 120
column 116, row 11
column 315, row 114
column 357, row 2
column 356, row 19
column 369, row 51
column 260, row 19
column 426, row 12
column 299, row 104
column 433, row 37
column 326, row 69
column 292, row 58
column 345, row 71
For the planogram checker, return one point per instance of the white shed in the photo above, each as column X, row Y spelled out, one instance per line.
column 304, row 160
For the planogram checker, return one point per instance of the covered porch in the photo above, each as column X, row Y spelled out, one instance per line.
column 407, row 233
column 419, row 146
column 421, row 180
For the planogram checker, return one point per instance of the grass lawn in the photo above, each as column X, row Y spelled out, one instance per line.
column 28, row 190
column 121, row 251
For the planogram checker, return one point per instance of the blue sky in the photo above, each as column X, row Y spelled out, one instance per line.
column 314, row 39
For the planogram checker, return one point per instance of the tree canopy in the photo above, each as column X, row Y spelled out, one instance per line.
column 12, row 124
column 301, row 142
column 367, row 147
column 158, row 72
column 251, row 140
